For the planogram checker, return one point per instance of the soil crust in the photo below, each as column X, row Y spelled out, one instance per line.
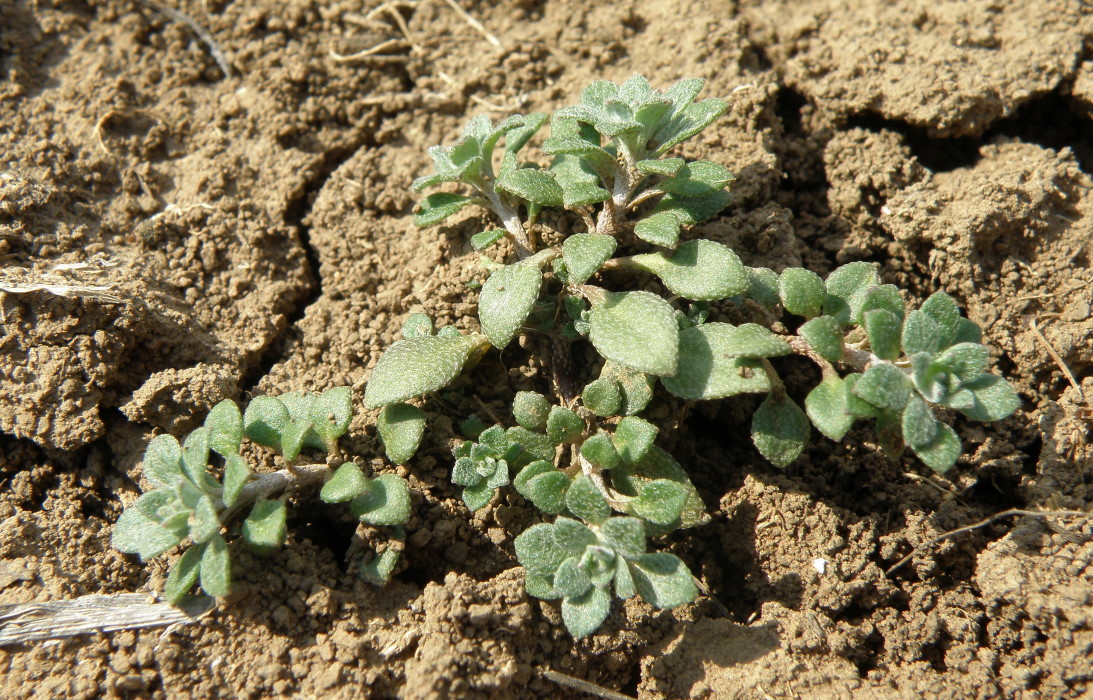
column 172, row 234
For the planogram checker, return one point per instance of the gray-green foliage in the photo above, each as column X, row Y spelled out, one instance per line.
column 202, row 487
column 628, row 278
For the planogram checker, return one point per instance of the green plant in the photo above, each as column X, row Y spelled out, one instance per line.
column 586, row 455
column 189, row 502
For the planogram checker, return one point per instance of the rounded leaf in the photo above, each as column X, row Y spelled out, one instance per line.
column 225, row 424
column 637, row 330
column 663, row 580
column 885, row 386
column 845, row 291
column 661, row 501
column 825, row 335
column 215, row 569
column 387, row 501
column 400, row 427
column 584, row 253
column 264, row 421
column 779, row 429
column 236, row 476
column 826, row 407
column 624, row 535
column 995, row 398
column 183, row 574
column 603, row 397
column 536, row 186
column 563, row 425
column 530, row 409
column 417, row 366
column 141, row 530
column 584, row 614
column 330, row 414
column 347, row 483
column 586, row 502
column 801, row 291
column 538, row 551
column 162, row 461
column 709, row 372
column 700, row 270
column 264, row 528
column 506, row 300
column 633, row 438
column 941, row 453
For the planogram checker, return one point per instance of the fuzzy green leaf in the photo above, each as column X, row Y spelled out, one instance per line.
column 709, row 372
column 215, row 569
column 637, row 387
column 920, row 334
column 661, row 502
column 206, row 523
column 530, row 409
column 330, row 413
column 583, row 615
column 544, row 486
column 264, row 421
column 236, row 476
column 663, row 580
column 965, row 360
column 942, row 452
column 659, row 228
column 162, row 463
column 536, row 186
column 195, row 458
column 141, row 529
column 563, row 425
column 478, row 496
column 586, row 502
column 225, row 424
column 603, row 397
column 884, row 296
column 943, row 310
column 570, row 580
column 697, row 178
column 857, row 407
column 386, row 502
column 624, row 535
column 378, row 571
column 763, row 286
column 439, row 206
column 536, row 445
column 883, row 385
column 584, row 253
column 845, row 291
column 658, row 464
column 995, row 398
column 967, row 331
column 293, row 437
column 400, row 427
column 752, row 340
column 518, row 137
column 801, row 292
column 417, row 366
column 600, row 451
column 183, row 574
column 264, row 528
column 688, row 121
column 665, row 167
column 637, row 330
column 883, row 328
column 779, row 429
column 506, row 300
column 347, row 483
column 538, row 550
column 825, row 335
column 484, row 239
column 633, row 438
column 826, row 407
column 579, row 182
column 919, row 425
column 699, row 270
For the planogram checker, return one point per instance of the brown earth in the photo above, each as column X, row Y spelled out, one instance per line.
column 223, row 236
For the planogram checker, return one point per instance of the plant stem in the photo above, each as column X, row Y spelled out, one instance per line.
column 296, row 478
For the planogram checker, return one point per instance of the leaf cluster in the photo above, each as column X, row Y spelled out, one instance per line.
column 200, row 486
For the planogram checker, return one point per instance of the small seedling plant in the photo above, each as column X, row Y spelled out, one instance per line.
column 584, row 455
column 202, row 488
